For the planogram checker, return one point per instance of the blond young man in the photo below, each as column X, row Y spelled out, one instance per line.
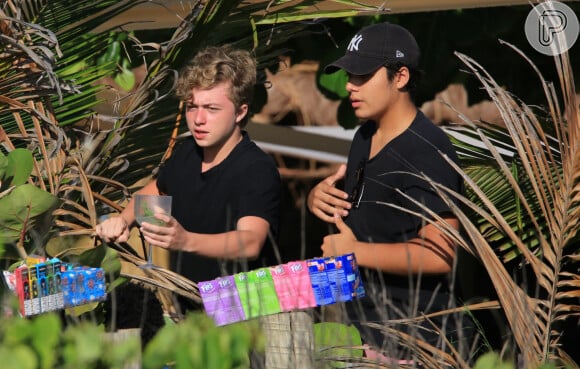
column 226, row 191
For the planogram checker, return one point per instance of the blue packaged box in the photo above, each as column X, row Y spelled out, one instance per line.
column 320, row 283
column 82, row 286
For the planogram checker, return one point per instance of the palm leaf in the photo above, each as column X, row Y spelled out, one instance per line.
column 546, row 193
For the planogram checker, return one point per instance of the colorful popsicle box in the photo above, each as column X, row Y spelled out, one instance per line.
column 286, row 287
column 257, row 293
column 293, row 286
column 83, row 285
column 46, row 285
column 221, row 300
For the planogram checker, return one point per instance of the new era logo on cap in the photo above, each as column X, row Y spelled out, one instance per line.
column 399, row 54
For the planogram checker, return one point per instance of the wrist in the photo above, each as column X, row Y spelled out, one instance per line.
column 125, row 223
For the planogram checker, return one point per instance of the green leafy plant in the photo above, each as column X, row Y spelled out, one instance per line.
column 197, row 343
column 336, row 344
column 21, row 203
column 42, row 342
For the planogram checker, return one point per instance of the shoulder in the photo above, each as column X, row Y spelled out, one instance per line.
column 251, row 158
column 249, row 148
column 184, row 150
column 430, row 133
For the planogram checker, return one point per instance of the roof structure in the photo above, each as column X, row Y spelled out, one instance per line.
column 169, row 13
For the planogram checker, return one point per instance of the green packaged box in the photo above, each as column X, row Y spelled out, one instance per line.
column 257, row 293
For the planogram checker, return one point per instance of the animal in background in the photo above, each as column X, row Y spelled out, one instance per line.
column 293, row 89
column 445, row 106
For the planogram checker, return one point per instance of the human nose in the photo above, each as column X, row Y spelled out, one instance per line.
column 199, row 116
column 350, row 86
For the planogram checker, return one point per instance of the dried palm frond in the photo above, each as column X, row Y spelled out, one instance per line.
column 543, row 200
column 49, row 83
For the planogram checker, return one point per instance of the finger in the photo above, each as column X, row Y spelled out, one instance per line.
column 341, row 172
column 340, row 224
column 124, row 237
column 336, row 196
column 324, row 216
column 167, row 219
column 338, row 175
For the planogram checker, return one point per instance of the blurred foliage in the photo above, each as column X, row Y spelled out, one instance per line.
column 197, row 343
column 42, row 342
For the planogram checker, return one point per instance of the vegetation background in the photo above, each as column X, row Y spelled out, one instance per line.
column 87, row 164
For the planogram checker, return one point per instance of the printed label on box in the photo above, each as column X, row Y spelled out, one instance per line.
column 257, row 293
column 293, row 285
column 35, row 288
column 221, row 300
column 320, row 282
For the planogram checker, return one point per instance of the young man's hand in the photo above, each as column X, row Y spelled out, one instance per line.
column 325, row 200
column 114, row 229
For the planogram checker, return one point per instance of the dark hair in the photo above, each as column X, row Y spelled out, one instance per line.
column 414, row 76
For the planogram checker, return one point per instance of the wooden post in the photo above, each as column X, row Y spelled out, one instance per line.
column 289, row 340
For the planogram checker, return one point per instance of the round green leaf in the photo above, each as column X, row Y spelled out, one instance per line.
column 19, row 167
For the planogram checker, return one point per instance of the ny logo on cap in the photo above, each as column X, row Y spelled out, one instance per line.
column 353, row 44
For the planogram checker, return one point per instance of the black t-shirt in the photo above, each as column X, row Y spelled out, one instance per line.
column 387, row 180
column 246, row 183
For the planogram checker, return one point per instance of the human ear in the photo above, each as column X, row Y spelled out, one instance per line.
column 402, row 77
column 241, row 112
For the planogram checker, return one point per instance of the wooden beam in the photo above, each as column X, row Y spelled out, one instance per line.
column 169, row 13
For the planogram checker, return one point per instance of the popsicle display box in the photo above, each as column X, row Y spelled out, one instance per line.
column 44, row 285
column 292, row 286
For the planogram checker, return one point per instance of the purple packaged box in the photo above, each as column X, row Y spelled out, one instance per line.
column 320, row 282
column 221, row 300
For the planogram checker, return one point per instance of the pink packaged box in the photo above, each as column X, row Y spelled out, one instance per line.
column 293, row 285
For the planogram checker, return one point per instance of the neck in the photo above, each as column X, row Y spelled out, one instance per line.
column 394, row 122
column 214, row 155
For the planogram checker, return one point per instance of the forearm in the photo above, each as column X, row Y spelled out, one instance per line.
column 240, row 244
column 416, row 256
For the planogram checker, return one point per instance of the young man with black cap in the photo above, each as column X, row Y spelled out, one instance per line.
column 405, row 259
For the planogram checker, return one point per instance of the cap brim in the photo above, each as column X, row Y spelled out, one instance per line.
column 354, row 64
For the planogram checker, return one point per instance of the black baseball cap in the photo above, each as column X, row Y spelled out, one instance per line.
column 375, row 46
